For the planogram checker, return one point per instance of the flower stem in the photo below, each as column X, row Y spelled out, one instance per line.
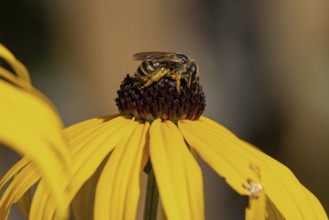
column 151, row 199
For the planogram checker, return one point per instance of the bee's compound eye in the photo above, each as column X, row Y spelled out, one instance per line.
column 192, row 68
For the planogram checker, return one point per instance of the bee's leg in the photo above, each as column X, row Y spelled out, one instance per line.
column 189, row 80
column 158, row 74
column 176, row 76
column 178, row 84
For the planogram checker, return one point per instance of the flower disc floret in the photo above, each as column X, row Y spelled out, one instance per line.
column 160, row 100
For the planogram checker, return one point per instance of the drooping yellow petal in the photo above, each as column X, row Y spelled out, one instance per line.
column 89, row 148
column 279, row 184
column 177, row 173
column 42, row 205
column 95, row 148
column 257, row 208
column 218, row 127
column 24, row 176
column 118, row 188
column 13, row 79
column 260, row 206
column 18, row 67
column 16, row 189
column 22, row 114
column 98, row 132
column 272, row 211
column 316, row 205
column 221, row 152
column 81, row 127
column 13, row 171
column 24, row 203
column 31, row 127
column 288, row 195
column 83, row 202
column 20, row 77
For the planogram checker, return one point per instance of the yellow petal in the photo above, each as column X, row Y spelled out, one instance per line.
column 31, row 127
column 279, row 184
column 24, row 203
column 94, row 148
column 83, row 202
column 118, row 188
column 218, row 127
column 23, row 181
column 81, row 127
column 42, row 207
column 272, row 211
column 257, row 208
column 13, row 171
column 16, row 189
column 316, row 205
column 262, row 208
column 20, row 77
column 177, row 173
column 90, row 134
column 289, row 196
column 13, row 79
column 90, row 147
column 19, row 68
column 221, row 151
column 23, row 113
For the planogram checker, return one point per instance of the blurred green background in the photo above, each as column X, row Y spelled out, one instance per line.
column 264, row 67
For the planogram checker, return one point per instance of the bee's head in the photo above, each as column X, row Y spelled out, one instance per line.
column 193, row 70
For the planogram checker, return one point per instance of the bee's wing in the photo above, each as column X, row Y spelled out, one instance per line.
column 158, row 56
column 148, row 55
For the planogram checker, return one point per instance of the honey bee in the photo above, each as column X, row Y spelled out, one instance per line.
column 157, row 65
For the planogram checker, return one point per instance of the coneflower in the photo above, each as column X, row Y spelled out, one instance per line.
column 161, row 131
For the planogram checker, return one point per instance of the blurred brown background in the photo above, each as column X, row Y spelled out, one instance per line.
column 264, row 67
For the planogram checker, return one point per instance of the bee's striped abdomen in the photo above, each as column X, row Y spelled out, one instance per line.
column 147, row 68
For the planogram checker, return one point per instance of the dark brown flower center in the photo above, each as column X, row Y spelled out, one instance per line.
column 160, row 100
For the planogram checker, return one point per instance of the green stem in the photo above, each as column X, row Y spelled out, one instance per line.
column 151, row 199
